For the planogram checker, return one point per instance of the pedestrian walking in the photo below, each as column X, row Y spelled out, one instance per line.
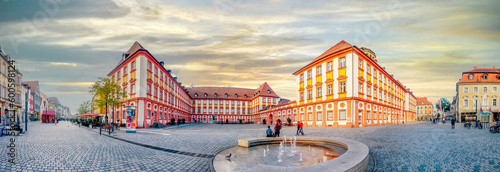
column 277, row 128
column 301, row 128
column 298, row 128
column 453, row 123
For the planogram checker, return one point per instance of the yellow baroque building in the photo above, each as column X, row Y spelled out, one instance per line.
column 346, row 87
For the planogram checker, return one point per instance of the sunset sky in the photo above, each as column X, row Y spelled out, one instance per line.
column 425, row 44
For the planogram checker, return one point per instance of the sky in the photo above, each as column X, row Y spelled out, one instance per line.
column 67, row 44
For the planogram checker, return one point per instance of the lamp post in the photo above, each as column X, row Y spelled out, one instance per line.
column 26, row 111
column 113, row 115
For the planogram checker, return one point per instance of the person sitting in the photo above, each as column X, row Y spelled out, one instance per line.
column 269, row 132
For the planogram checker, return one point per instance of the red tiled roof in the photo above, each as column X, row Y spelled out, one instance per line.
column 336, row 48
column 262, row 91
column 32, row 84
column 283, row 102
column 221, row 91
column 231, row 91
column 484, row 70
column 135, row 47
column 423, row 100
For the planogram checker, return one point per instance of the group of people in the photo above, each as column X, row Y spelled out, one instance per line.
column 278, row 126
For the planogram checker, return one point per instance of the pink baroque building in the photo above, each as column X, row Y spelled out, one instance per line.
column 157, row 95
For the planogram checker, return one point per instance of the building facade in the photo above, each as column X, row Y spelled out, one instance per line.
column 150, row 87
column 346, row 87
column 425, row 109
column 343, row 87
column 35, row 99
column 229, row 104
column 477, row 90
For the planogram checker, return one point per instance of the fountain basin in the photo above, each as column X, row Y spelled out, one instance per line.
column 353, row 158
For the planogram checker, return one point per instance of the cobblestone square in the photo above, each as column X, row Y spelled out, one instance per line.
column 419, row 146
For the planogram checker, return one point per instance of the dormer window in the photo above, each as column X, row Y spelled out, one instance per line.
column 245, row 96
column 235, row 95
column 206, row 94
column 225, row 95
column 498, row 77
column 195, row 94
column 485, row 76
column 471, row 76
column 215, row 95
column 268, row 91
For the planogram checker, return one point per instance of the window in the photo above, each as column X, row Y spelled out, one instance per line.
column 309, row 94
column 360, row 64
column 494, row 102
column 342, row 87
column 330, row 66
column 329, row 89
column 156, row 71
column 318, row 92
column 268, row 91
column 318, row 70
column 309, row 74
column 132, row 89
column 474, row 103
column 149, row 89
column 471, row 76
column 161, row 75
column 149, row 66
column 149, row 113
column 485, row 76
column 301, row 77
column 195, row 94
column 236, row 95
column 368, row 68
column 155, row 91
column 476, row 90
column 232, row 102
column 485, row 102
column 125, row 70
column 310, row 116
column 301, row 96
column 368, row 91
column 360, row 87
column 133, row 65
column 319, row 116
column 225, row 95
column 495, row 89
column 342, row 62
column 118, row 75
column 215, row 94
column 245, row 96
column 485, row 89
column 205, row 94
column 342, row 115
column 498, row 77
column 330, row 115
column 466, row 89
column 302, row 117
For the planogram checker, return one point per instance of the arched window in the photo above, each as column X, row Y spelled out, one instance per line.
column 215, row 95
column 268, row 91
column 471, row 76
column 195, row 94
column 485, row 76
column 206, row 94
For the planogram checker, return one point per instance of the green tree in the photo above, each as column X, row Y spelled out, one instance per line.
column 445, row 105
column 106, row 91
column 85, row 107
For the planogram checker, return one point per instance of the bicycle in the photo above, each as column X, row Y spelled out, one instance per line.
column 478, row 125
column 494, row 130
column 467, row 125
